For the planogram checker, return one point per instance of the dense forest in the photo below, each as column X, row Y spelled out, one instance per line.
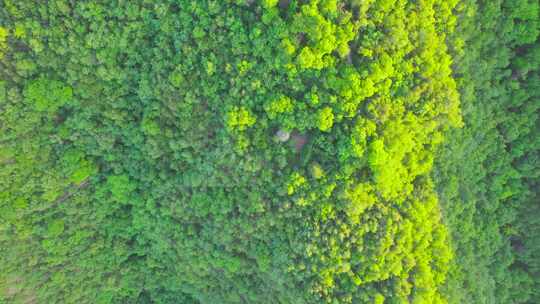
column 274, row 151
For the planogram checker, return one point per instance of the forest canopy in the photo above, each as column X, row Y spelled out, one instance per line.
column 274, row 151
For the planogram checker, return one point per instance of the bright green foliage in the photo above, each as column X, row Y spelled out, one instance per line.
column 362, row 131
column 3, row 41
column 295, row 182
column 55, row 228
column 324, row 33
column 326, row 119
column 120, row 187
column 140, row 162
column 150, row 126
column 78, row 168
column 316, row 171
column 270, row 3
column 282, row 104
column 239, row 118
column 47, row 95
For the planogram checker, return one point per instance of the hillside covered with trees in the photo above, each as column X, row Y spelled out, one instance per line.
column 274, row 151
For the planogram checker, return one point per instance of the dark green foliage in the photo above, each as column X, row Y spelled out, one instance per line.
column 488, row 171
column 140, row 161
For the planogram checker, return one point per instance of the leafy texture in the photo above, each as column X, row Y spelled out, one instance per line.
column 269, row 151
